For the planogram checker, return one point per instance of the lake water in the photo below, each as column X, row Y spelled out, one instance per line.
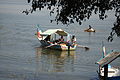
column 22, row 58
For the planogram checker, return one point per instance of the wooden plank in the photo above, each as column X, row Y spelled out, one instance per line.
column 108, row 58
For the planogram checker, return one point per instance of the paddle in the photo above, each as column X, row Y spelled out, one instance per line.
column 49, row 45
column 87, row 48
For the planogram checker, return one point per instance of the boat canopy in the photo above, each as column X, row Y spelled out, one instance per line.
column 53, row 31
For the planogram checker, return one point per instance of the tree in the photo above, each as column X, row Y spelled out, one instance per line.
column 69, row 11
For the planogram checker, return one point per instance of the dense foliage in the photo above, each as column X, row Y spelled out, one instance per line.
column 69, row 11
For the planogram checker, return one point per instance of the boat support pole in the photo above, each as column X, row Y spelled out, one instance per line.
column 105, row 72
column 68, row 48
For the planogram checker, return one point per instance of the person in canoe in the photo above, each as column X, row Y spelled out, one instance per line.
column 90, row 29
column 73, row 40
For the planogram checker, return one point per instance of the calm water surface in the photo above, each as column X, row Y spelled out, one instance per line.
column 22, row 58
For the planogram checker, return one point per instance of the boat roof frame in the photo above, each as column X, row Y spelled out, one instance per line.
column 54, row 31
column 108, row 58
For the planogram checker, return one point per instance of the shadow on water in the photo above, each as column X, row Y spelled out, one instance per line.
column 54, row 61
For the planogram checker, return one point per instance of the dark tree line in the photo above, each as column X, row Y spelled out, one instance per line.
column 70, row 11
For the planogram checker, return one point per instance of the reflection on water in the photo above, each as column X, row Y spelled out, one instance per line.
column 54, row 61
column 21, row 60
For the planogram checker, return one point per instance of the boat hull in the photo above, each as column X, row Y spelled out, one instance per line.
column 44, row 43
column 89, row 30
column 110, row 78
column 62, row 47
column 113, row 74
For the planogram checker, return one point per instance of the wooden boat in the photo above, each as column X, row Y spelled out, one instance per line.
column 90, row 29
column 106, row 71
column 113, row 73
column 51, row 39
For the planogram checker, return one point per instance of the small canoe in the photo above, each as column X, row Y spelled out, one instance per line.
column 89, row 30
